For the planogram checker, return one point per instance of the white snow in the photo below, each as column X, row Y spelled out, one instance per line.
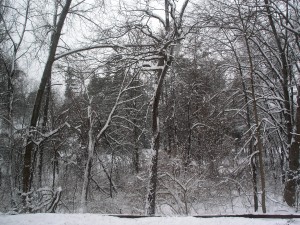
column 96, row 219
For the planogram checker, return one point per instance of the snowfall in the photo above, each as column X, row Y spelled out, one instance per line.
column 96, row 219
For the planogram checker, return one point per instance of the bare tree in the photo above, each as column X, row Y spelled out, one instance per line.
column 94, row 136
column 293, row 145
column 37, row 105
column 173, row 37
column 15, row 32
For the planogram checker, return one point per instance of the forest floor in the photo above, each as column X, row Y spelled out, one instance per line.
column 96, row 219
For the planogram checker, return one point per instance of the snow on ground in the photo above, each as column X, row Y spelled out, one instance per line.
column 95, row 219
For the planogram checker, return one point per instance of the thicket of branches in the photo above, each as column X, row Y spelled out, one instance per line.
column 168, row 107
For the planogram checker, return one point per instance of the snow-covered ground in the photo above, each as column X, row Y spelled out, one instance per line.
column 95, row 219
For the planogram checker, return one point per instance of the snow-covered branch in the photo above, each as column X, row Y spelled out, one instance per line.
column 51, row 133
column 99, row 46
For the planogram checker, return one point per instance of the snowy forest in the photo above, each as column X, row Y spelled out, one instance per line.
column 149, row 107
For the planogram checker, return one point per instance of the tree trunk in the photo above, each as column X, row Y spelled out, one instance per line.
column 136, row 155
column 11, row 69
column 37, row 105
column 251, row 146
column 88, row 167
column 187, row 154
column 44, row 126
column 151, row 197
column 257, row 132
column 92, row 139
column 290, row 185
column 10, row 122
column 87, row 172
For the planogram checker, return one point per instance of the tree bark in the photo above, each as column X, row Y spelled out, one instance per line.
column 165, row 62
column 187, row 154
column 290, row 185
column 136, row 155
column 37, row 105
column 87, row 172
column 45, row 120
column 10, row 91
column 151, row 197
column 251, row 146
column 257, row 132
column 10, row 122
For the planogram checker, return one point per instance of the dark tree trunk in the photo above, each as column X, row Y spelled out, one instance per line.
column 136, row 155
column 10, row 122
column 44, row 127
column 290, row 185
column 187, row 154
column 37, row 105
column 150, row 205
